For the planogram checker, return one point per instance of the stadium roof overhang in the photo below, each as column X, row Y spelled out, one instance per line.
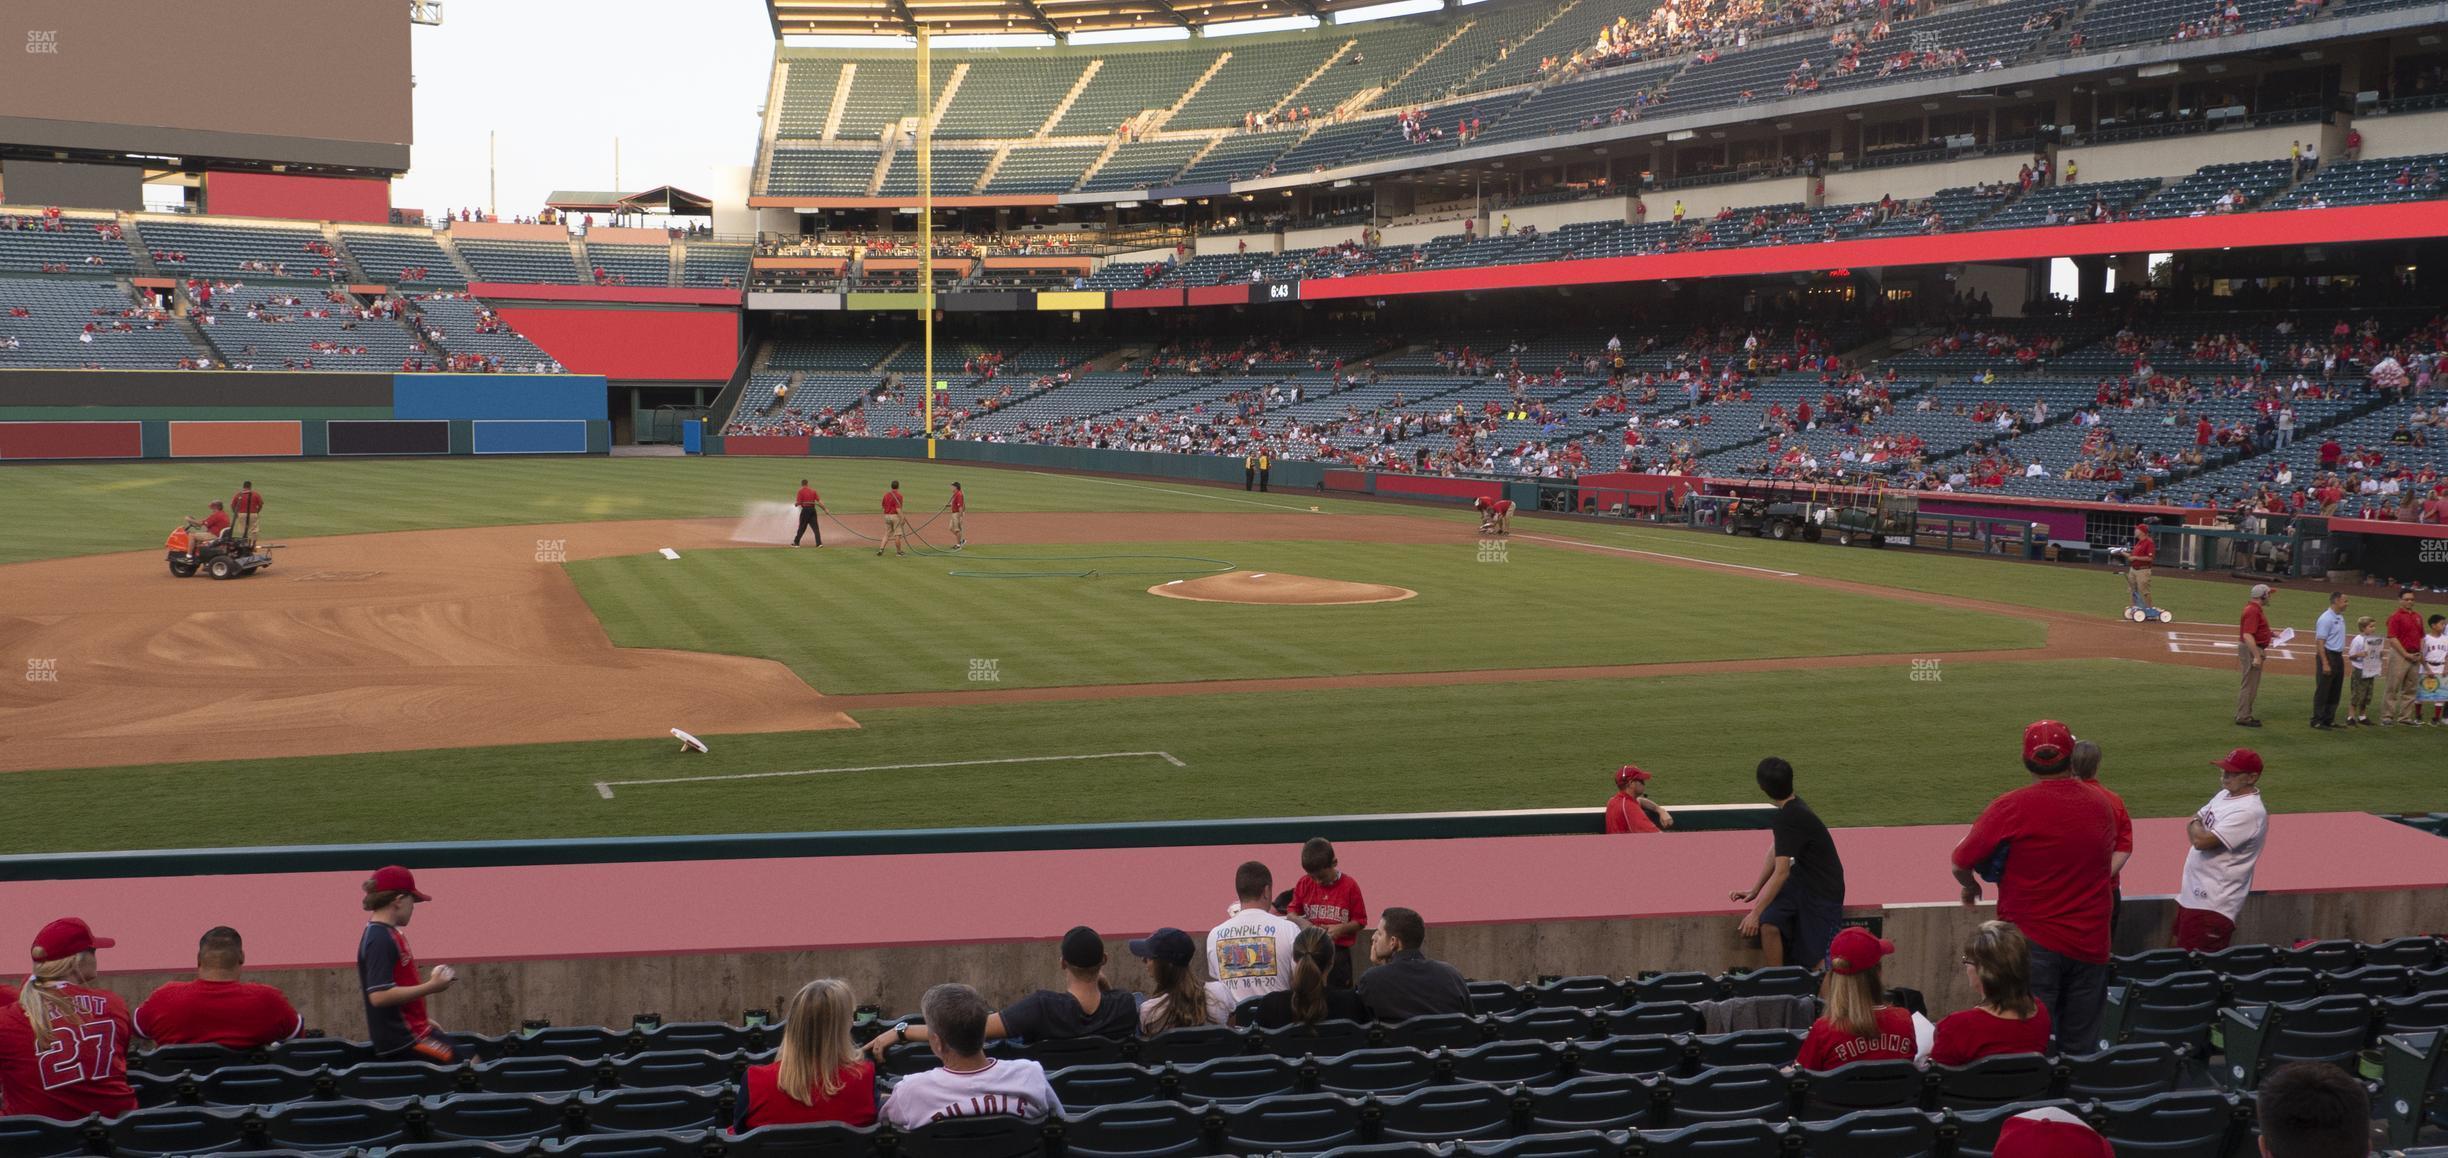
column 892, row 18
column 660, row 199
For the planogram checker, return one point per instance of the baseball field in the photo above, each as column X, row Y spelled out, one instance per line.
column 497, row 649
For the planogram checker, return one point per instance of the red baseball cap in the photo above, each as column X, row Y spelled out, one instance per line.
column 66, row 938
column 392, row 878
column 1855, row 950
column 2047, row 745
column 2243, row 761
column 1629, row 773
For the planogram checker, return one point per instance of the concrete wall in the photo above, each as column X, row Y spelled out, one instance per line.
column 1303, row 240
column 2405, row 134
column 1703, row 202
column 494, row 997
column 1230, row 243
column 2008, row 287
column 1549, row 218
column 1917, row 180
column 2177, row 156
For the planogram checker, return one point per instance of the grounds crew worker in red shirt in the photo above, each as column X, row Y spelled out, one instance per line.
column 63, row 1043
column 2401, row 662
column 2059, row 836
column 2253, row 638
column 1495, row 515
column 2138, row 563
column 217, row 1008
column 960, row 510
column 396, row 1023
column 1630, row 809
column 808, row 503
column 214, row 522
column 893, row 527
column 246, row 505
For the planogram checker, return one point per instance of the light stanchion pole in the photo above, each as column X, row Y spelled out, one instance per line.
column 926, row 230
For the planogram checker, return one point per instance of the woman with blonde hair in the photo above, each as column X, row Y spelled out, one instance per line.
column 1857, row 1023
column 2008, row 1019
column 63, row 1043
column 1309, row 1001
column 818, row 1075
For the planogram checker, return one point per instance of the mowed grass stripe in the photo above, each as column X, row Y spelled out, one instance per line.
column 1873, row 747
column 910, row 625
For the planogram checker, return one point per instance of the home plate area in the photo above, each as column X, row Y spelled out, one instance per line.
column 2207, row 643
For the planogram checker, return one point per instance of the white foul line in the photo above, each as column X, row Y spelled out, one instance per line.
column 1170, row 491
column 604, row 787
column 1661, row 555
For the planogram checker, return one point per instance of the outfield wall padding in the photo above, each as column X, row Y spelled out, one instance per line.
column 271, row 439
column 528, row 436
column 28, row 440
column 389, row 438
column 168, row 388
column 1285, row 476
column 475, row 396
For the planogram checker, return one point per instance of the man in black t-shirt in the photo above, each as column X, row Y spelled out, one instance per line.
column 1083, row 1007
column 1799, row 898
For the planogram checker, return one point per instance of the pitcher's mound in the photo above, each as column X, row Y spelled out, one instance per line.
column 1278, row 588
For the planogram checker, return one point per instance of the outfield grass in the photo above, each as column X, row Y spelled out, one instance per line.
column 1873, row 746
column 850, row 622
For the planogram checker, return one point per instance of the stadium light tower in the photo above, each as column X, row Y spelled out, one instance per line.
column 428, row 12
column 926, row 231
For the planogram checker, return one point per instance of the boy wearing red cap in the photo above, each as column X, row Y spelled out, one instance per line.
column 2218, row 870
column 2060, row 836
column 1859, row 1025
column 63, row 1043
column 1630, row 809
column 396, row 1022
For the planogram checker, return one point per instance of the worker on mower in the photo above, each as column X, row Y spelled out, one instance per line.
column 215, row 524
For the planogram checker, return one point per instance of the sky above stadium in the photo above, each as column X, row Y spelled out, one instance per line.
column 679, row 86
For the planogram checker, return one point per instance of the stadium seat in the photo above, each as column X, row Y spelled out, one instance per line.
column 715, row 1037
column 526, row 1075
column 1900, row 1133
column 1446, row 1113
column 2410, row 952
column 996, row 1136
column 1497, row 997
column 2260, row 1038
column 165, row 1089
column 2375, row 981
column 464, row 1148
column 2414, row 1013
column 1297, row 1122
column 1648, row 1017
column 2124, row 1072
column 1577, row 993
column 2151, row 965
column 1192, row 1045
column 1775, row 1047
column 257, row 1085
column 911, row 1057
column 1138, row 1130
column 1056, row 1053
column 377, row 1081
column 637, row 1144
column 2326, row 956
column 1862, row 1085
column 1388, row 1150
column 2413, row 1093
column 815, row 1140
column 1976, row 1131
column 1674, row 987
column 1236, row 1080
column 1527, row 1063
column 1381, row 1072
column 2187, row 1124
column 692, row 1067
column 586, row 1043
column 347, row 1125
column 44, row 1137
column 1325, row 1039
column 665, row 1108
column 2235, row 959
column 1436, row 1031
column 501, row 1117
column 1996, row 1080
column 2269, row 985
column 1597, row 1102
column 1649, row 1054
column 174, row 1130
column 175, row 1059
column 1773, row 981
column 2178, row 1009
column 306, row 1053
column 1715, row 1095
column 1081, row 1087
column 1562, row 1144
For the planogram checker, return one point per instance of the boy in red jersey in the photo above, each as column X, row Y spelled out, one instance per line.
column 217, row 1008
column 394, row 998
column 63, row 1043
column 1327, row 898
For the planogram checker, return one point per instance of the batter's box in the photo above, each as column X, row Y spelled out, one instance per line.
column 2204, row 643
column 335, row 576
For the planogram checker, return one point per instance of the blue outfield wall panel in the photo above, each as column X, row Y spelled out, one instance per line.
column 528, row 436
column 498, row 396
column 692, row 436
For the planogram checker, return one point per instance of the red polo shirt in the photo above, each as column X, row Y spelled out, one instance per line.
column 237, row 1014
column 2405, row 627
column 2145, row 550
column 892, row 502
column 215, row 523
column 807, row 496
column 2255, row 626
column 2058, row 835
column 960, row 502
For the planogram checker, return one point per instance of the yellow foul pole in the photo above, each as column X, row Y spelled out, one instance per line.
column 926, row 230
